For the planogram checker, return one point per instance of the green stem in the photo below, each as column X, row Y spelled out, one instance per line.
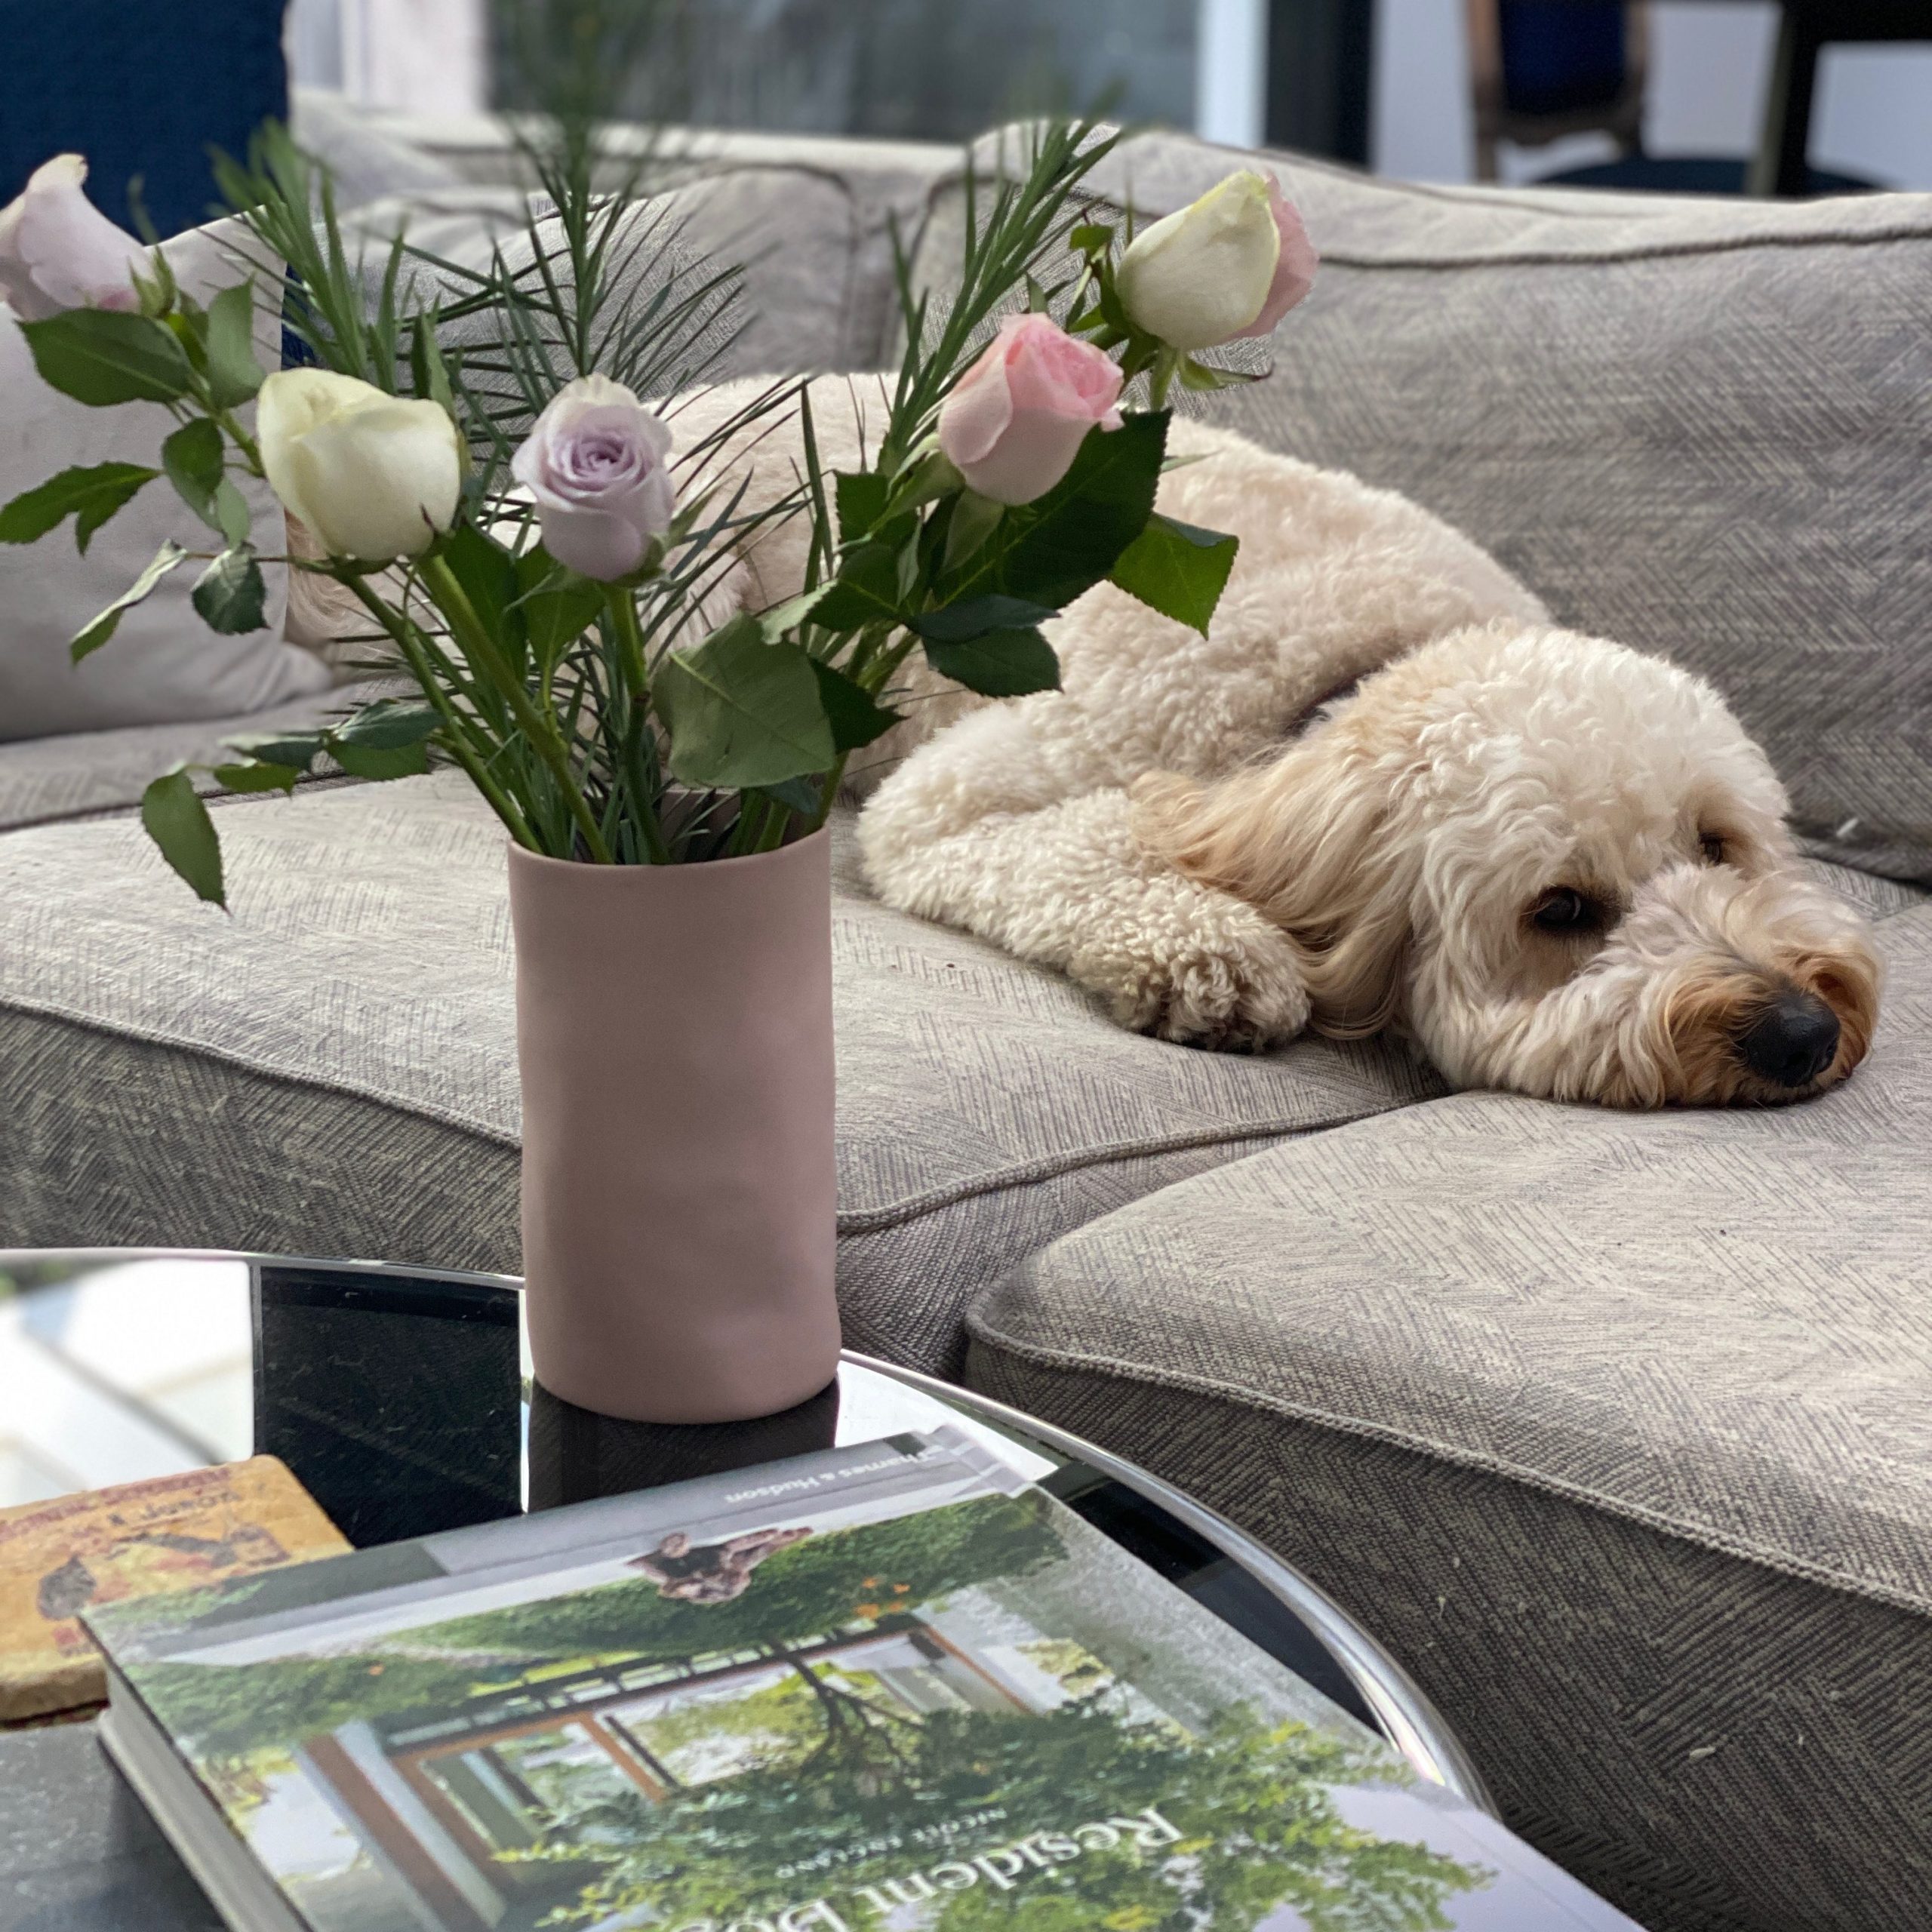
column 622, row 608
column 833, row 779
column 481, row 650
column 875, row 674
column 246, row 444
column 1158, row 383
column 455, row 736
column 748, row 834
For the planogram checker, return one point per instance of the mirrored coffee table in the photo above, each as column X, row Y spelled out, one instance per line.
column 401, row 1399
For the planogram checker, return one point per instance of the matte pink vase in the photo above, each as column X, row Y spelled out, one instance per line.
column 674, row 1031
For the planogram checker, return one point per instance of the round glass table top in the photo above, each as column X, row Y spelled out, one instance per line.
column 402, row 1400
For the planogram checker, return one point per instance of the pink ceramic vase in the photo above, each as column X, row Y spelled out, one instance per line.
column 674, row 1031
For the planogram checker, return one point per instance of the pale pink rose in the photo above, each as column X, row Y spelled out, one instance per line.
column 1294, row 268
column 1014, row 422
column 58, row 252
column 594, row 461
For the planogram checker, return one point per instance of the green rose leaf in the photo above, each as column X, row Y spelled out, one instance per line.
column 103, row 626
column 790, row 614
column 232, row 516
column 741, row 712
column 362, row 760
column 1203, row 376
column 298, row 751
column 103, row 356
column 557, row 606
column 230, row 594
column 192, row 457
column 1177, row 569
column 970, row 519
column 234, row 375
column 91, row 496
column 855, row 717
column 488, row 574
column 252, row 777
column 178, row 822
column 1050, row 551
column 389, row 725
column 954, row 623
column 1000, row 664
column 860, row 499
column 866, row 590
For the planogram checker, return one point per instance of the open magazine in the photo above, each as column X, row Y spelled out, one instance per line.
column 885, row 1686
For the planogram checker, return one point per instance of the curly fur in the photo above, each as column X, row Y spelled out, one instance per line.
column 1203, row 833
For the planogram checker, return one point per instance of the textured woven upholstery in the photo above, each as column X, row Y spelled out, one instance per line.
column 332, row 1070
column 1613, row 1427
column 1694, row 426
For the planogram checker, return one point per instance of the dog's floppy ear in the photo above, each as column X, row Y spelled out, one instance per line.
column 1300, row 838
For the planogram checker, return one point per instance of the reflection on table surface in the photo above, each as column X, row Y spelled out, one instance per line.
column 127, row 1369
column 113, row 1370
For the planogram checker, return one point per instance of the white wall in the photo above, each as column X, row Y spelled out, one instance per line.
column 430, row 57
column 1710, row 64
column 1230, row 71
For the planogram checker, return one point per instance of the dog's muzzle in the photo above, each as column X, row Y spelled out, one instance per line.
column 1791, row 1040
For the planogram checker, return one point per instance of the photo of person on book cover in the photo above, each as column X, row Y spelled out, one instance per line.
column 913, row 1699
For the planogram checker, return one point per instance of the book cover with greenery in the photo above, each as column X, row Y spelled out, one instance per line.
column 885, row 1688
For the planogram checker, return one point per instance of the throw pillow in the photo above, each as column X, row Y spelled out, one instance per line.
column 164, row 665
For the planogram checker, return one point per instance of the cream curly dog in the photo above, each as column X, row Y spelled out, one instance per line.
column 1559, row 865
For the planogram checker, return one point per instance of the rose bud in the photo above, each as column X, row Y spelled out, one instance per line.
column 58, row 252
column 1230, row 265
column 594, row 461
column 1016, row 420
column 374, row 476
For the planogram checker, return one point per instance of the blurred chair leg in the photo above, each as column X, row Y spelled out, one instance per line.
column 1321, row 55
column 1779, row 167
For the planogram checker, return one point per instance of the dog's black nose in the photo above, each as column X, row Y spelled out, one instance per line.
column 1791, row 1042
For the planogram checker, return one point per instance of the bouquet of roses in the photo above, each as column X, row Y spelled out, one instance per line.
column 472, row 457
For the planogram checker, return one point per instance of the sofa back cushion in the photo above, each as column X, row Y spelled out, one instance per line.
column 1703, row 428
column 163, row 665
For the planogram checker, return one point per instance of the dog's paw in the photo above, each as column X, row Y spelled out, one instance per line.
column 1223, row 977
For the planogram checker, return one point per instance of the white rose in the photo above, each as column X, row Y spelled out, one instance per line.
column 1231, row 264
column 374, row 476
column 58, row 252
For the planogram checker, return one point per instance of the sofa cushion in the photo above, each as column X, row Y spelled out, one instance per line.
column 332, row 1070
column 1602, row 1422
column 83, row 772
column 1694, row 425
column 366, row 156
column 778, row 180
column 810, row 222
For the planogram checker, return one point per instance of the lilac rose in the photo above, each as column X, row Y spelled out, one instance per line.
column 595, row 463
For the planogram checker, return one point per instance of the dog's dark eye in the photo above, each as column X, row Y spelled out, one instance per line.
column 1563, row 910
column 1711, row 849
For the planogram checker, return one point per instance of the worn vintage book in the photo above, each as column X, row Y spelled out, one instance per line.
column 170, row 1532
column 890, row 1687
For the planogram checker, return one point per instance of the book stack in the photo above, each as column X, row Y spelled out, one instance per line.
column 170, row 1533
column 893, row 1686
